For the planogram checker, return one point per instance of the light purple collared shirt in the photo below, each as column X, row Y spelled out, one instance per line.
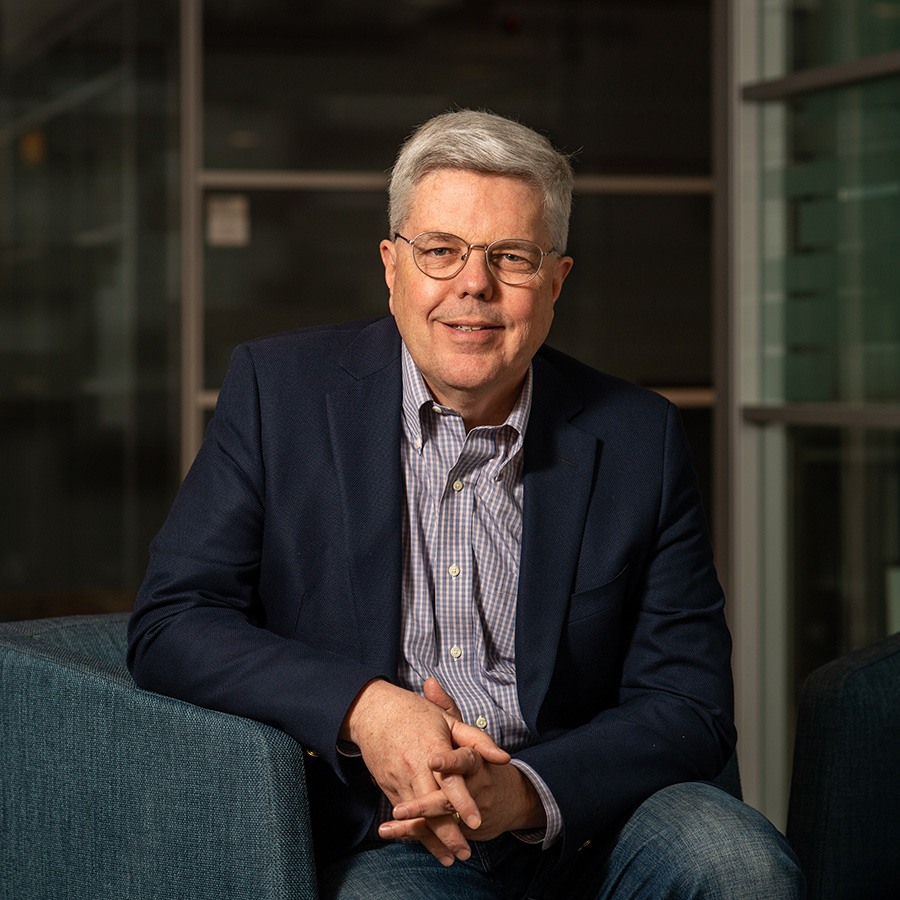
column 462, row 539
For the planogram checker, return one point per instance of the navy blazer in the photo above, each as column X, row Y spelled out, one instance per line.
column 273, row 590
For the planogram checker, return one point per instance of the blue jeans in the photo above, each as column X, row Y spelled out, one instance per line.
column 686, row 841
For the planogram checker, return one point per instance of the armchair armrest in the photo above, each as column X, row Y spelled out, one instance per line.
column 109, row 791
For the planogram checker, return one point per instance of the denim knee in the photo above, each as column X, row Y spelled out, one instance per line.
column 714, row 846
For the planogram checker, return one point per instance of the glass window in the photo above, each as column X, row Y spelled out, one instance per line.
column 844, row 535
column 831, row 323
column 338, row 86
column 830, row 31
column 299, row 258
column 637, row 301
column 88, row 372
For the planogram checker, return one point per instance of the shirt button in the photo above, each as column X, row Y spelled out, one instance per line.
column 437, row 409
column 481, row 722
column 418, row 443
column 455, row 652
column 457, row 485
column 453, row 570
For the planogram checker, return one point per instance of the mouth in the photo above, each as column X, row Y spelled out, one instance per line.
column 468, row 329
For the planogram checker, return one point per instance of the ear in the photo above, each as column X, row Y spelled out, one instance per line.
column 389, row 258
column 563, row 267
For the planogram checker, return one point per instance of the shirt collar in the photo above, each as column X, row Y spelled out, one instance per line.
column 416, row 396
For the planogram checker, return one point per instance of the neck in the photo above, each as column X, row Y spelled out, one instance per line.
column 478, row 409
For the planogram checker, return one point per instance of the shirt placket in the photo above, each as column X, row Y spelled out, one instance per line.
column 461, row 649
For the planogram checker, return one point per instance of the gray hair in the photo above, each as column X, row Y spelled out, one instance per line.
column 483, row 142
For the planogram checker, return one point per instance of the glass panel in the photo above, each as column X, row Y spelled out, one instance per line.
column 338, row 86
column 637, row 301
column 88, row 385
column 279, row 260
column 831, row 199
column 829, row 31
column 803, row 34
column 844, row 539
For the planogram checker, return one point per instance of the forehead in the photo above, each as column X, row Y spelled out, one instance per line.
column 476, row 206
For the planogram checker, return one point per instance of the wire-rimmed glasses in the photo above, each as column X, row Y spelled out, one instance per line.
column 511, row 260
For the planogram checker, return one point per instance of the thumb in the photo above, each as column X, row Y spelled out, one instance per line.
column 439, row 697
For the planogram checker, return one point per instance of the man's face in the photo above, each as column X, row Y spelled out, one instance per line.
column 476, row 371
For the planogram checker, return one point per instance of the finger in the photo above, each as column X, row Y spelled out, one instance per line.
column 443, row 826
column 439, row 697
column 468, row 736
column 426, row 806
column 456, row 789
column 447, row 830
column 419, row 830
column 462, row 761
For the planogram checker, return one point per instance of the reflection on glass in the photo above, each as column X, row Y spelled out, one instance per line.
column 844, row 533
column 831, row 230
column 830, row 31
column 87, row 374
column 804, row 34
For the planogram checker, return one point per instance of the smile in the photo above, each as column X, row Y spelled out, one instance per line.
column 471, row 327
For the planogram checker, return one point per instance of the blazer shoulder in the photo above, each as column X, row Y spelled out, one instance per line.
column 353, row 347
column 602, row 394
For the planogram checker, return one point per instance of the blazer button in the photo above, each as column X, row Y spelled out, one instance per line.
column 311, row 752
column 587, row 843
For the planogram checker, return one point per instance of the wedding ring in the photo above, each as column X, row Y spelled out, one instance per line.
column 456, row 817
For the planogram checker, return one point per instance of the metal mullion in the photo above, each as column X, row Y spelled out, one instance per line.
column 291, row 180
column 326, row 180
column 191, row 49
column 835, row 75
column 826, row 415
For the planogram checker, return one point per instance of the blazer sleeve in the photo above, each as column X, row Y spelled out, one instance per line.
column 670, row 719
column 196, row 632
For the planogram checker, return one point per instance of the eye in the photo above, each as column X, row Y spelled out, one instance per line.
column 438, row 252
column 435, row 249
column 516, row 257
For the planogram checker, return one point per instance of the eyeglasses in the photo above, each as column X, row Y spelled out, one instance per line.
column 440, row 255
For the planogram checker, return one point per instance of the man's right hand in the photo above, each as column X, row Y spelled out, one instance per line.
column 399, row 733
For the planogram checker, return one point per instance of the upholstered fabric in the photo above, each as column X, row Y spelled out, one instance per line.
column 844, row 817
column 112, row 792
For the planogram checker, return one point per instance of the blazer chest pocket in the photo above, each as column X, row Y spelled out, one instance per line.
column 595, row 601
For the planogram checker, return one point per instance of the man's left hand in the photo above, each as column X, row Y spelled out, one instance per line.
column 505, row 797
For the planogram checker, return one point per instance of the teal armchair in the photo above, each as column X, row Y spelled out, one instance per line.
column 110, row 792
column 844, row 814
column 113, row 793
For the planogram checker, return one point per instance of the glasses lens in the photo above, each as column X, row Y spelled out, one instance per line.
column 439, row 255
column 515, row 262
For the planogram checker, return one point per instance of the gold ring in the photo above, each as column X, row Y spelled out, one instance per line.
column 456, row 817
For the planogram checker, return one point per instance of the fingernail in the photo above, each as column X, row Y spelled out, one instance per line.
column 463, row 854
column 473, row 822
column 447, row 861
column 386, row 831
column 400, row 812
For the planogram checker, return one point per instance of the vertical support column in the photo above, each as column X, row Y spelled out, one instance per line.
column 191, row 59
column 743, row 445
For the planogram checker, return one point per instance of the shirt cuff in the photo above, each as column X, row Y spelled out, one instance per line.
column 548, row 835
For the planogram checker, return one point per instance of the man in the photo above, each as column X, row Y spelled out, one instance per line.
column 470, row 575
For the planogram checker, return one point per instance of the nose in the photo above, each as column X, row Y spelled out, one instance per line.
column 476, row 278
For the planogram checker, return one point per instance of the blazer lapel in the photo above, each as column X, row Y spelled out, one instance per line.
column 365, row 431
column 558, row 477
